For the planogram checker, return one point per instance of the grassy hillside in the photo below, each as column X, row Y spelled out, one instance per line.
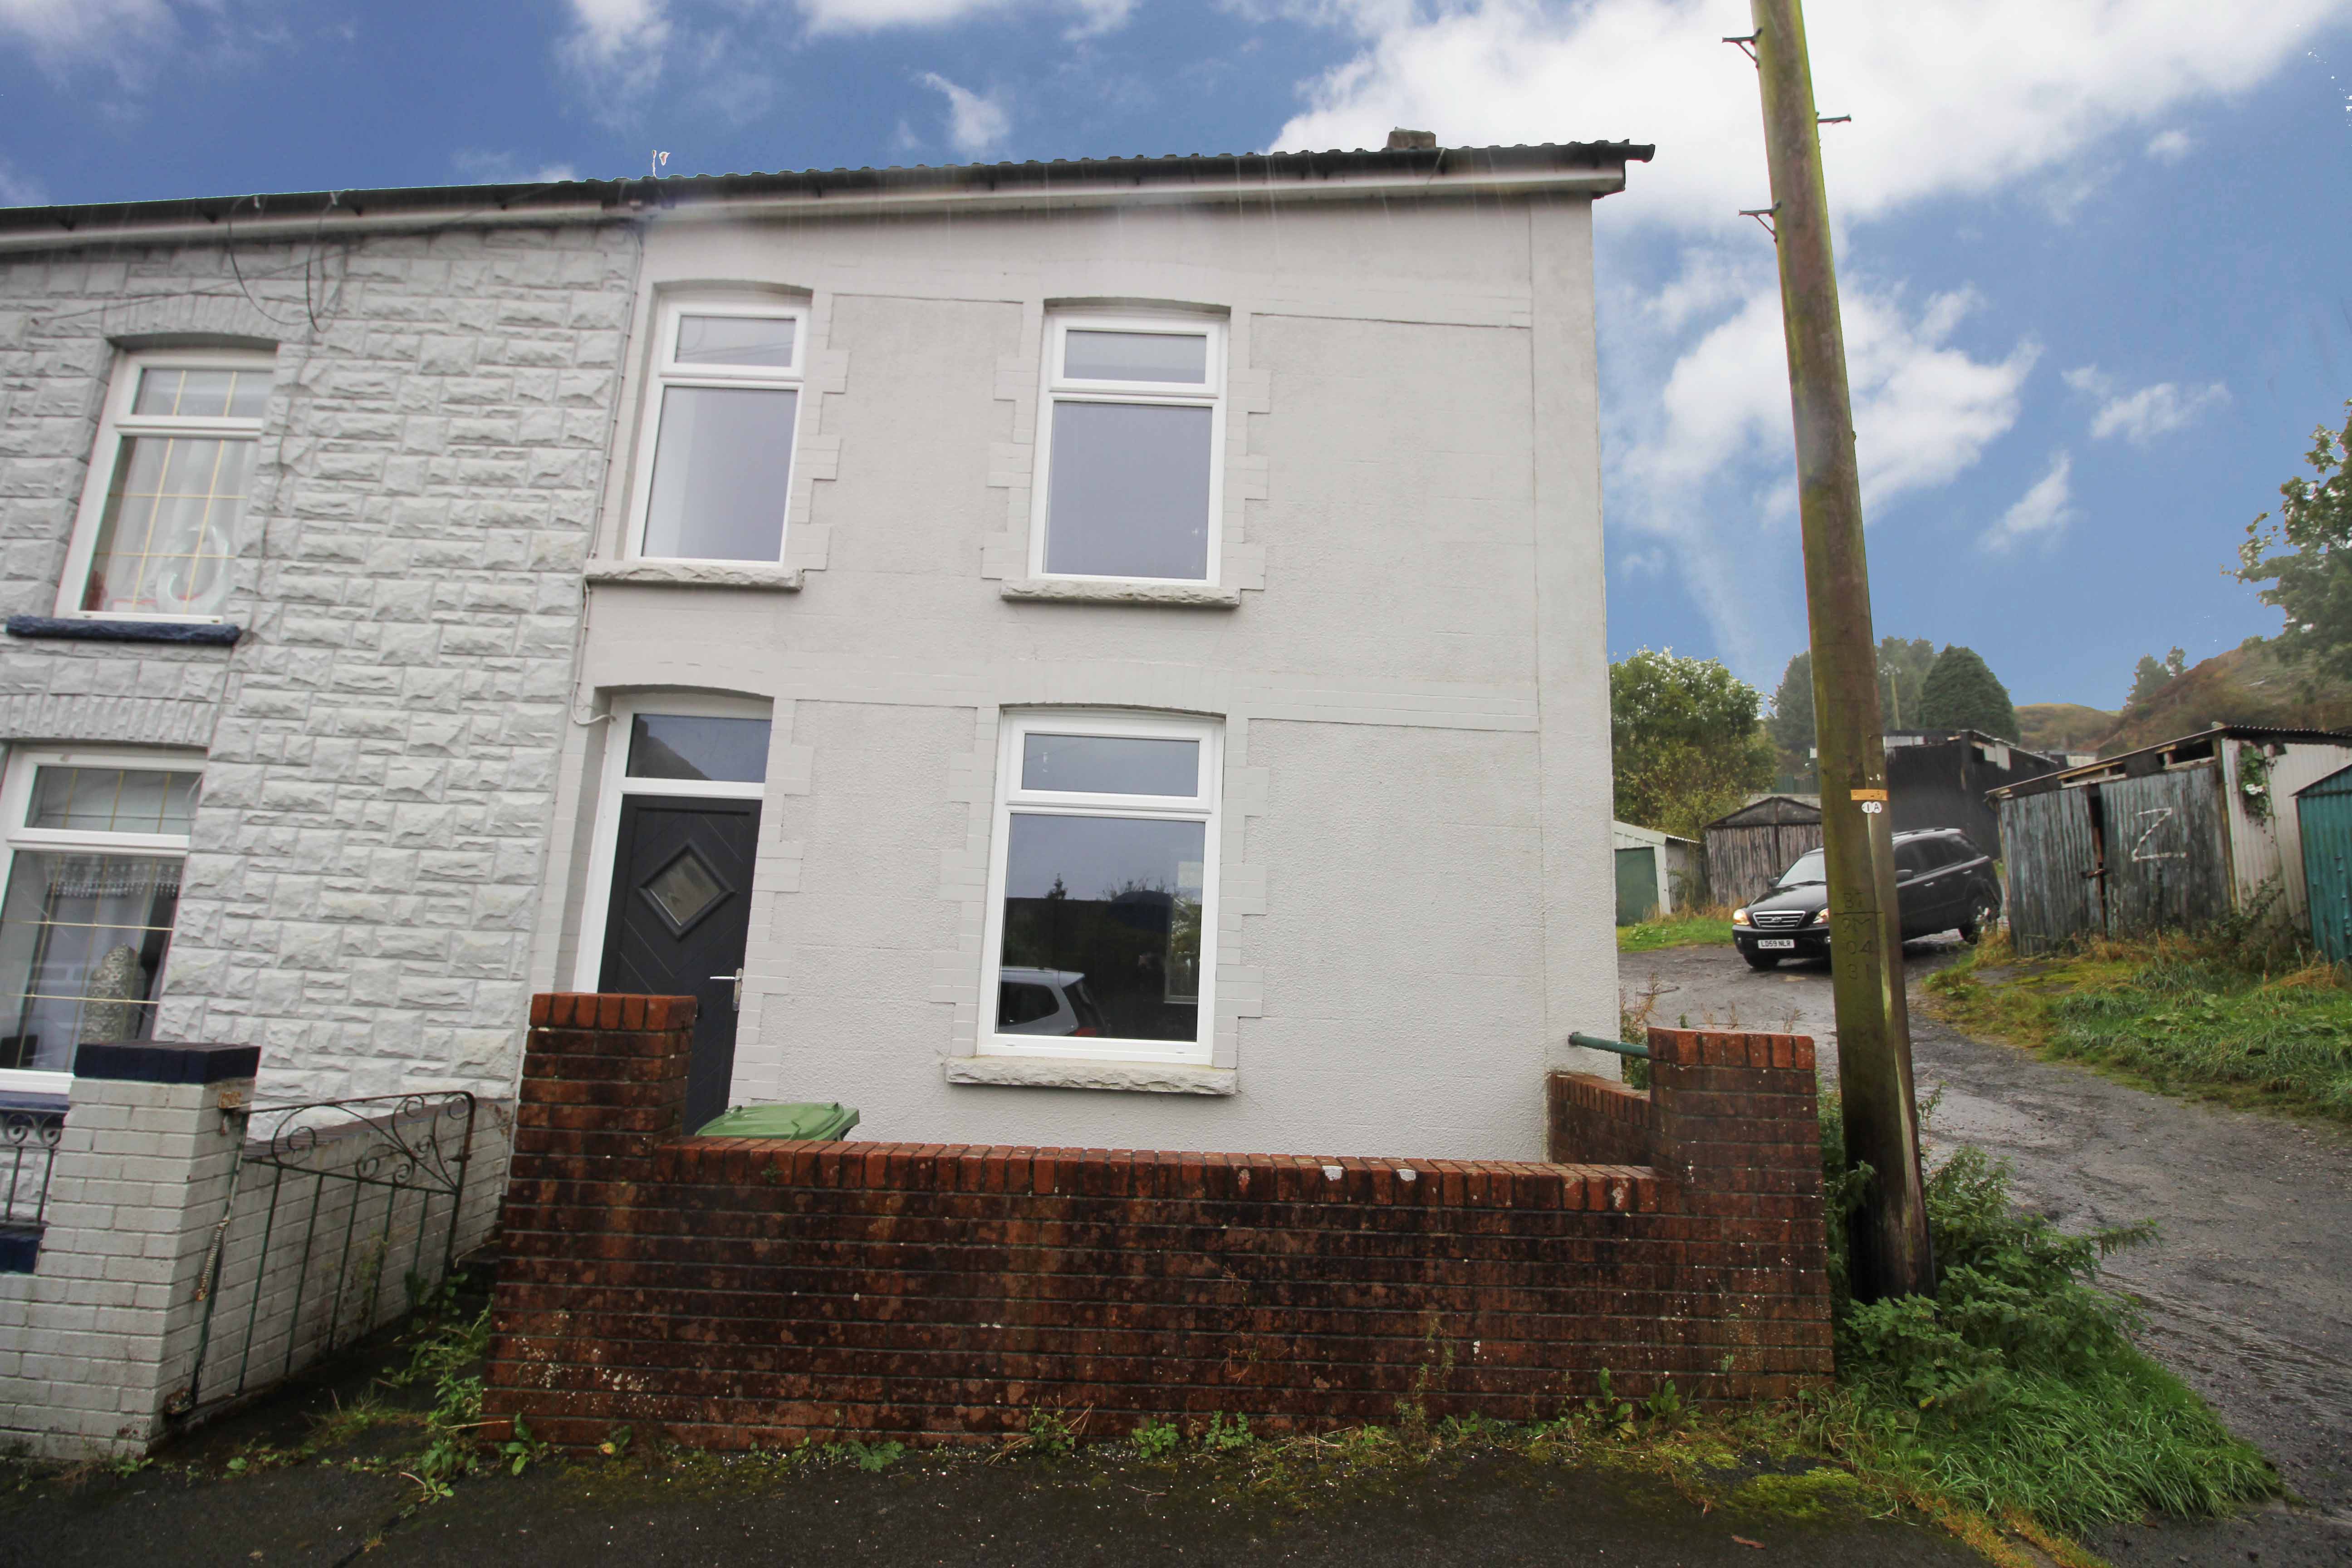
column 2063, row 726
column 2247, row 685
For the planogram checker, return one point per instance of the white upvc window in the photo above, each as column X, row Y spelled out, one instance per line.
column 1101, row 938
column 1131, row 484
column 91, row 842
column 714, row 465
column 156, row 536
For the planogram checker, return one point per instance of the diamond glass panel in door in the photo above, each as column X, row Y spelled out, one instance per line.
column 722, row 469
column 684, row 890
column 1107, row 908
column 170, row 525
column 82, row 939
column 1128, row 493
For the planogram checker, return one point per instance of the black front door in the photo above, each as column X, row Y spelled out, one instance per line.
column 681, row 910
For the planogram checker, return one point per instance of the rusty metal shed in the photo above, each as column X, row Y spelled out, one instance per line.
column 1749, row 847
column 2165, row 837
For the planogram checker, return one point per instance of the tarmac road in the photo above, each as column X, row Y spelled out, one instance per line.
column 2249, row 1285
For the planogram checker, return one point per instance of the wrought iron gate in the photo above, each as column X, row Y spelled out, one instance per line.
column 329, row 1199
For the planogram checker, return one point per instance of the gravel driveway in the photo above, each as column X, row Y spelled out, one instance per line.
column 2248, row 1286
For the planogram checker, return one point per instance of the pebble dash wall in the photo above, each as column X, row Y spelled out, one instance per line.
column 383, row 737
column 731, row 1292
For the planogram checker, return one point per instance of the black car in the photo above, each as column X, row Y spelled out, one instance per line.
column 1942, row 882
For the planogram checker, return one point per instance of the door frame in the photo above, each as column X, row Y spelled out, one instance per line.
column 597, row 895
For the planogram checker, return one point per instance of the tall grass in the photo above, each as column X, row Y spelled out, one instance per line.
column 2233, row 1010
column 2017, row 1386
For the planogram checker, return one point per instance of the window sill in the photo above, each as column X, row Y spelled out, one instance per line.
column 1070, row 1072
column 74, row 628
column 758, row 575
column 1056, row 590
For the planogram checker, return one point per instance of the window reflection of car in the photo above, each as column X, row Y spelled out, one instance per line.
column 1942, row 882
column 1045, row 1002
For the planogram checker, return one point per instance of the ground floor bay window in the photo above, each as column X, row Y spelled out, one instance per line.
column 1101, row 933
column 90, row 848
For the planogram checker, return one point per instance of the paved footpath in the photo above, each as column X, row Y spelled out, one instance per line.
column 2249, row 1284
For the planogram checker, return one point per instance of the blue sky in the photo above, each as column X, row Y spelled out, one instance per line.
column 2093, row 251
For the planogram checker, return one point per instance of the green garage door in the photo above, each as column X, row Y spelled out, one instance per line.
column 1637, row 885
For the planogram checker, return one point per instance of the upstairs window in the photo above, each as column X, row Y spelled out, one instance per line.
column 1101, row 940
column 714, row 463
column 157, row 532
column 90, row 848
column 1134, row 421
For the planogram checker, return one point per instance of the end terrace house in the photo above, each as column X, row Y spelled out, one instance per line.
column 1094, row 654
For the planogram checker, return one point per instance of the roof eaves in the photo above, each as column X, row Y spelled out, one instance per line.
column 1275, row 175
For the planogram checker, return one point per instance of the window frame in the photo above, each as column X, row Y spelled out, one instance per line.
column 17, row 771
column 1206, row 806
column 116, row 425
column 616, row 782
column 1057, row 388
column 663, row 372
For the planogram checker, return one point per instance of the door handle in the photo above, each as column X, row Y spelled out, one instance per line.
column 738, row 978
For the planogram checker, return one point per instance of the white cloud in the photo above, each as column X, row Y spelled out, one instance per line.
column 18, row 189
column 2141, row 416
column 480, row 167
column 1946, row 102
column 718, row 52
column 2041, row 513
column 616, row 46
column 1092, row 17
column 1948, row 99
column 975, row 124
column 132, row 39
column 2170, row 146
column 1707, row 466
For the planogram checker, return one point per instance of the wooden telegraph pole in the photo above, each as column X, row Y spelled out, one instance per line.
column 1891, row 1255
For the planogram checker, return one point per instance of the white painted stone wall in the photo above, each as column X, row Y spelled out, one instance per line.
column 94, row 1339
column 368, row 855
column 105, row 1335
column 1416, row 891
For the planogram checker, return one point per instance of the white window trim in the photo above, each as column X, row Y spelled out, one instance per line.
column 1059, row 388
column 1204, row 807
column 15, row 798
column 588, row 964
column 664, row 372
column 117, row 425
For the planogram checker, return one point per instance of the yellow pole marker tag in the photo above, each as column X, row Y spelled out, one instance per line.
column 1877, row 794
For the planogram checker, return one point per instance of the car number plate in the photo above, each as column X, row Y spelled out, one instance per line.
column 1781, row 942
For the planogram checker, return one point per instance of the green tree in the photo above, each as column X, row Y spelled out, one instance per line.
column 2149, row 676
column 2306, row 556
column 1684, row 740
column 1902, row 672
column 1961, row 692
column 1792, row 724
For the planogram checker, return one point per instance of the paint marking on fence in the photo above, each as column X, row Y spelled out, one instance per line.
column 2140, row 851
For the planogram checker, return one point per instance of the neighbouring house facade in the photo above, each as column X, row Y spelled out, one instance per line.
column 1106, row 654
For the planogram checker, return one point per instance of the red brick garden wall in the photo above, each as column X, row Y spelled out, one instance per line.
column 734, row 1293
